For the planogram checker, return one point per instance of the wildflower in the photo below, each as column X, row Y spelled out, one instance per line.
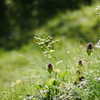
column 50, row 67
column 97, row 9
column 98, row 44
column 80, row 62
column 89, row 48
column 18, row 81
column 68, row 52
column 98, row 78
column 57, row 70
column 80, row 46
column 13, row 84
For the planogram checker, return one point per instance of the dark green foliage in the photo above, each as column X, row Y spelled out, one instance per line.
column 18, row 17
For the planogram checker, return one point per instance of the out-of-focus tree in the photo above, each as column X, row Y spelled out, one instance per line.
column 4, row 23
column 18, row 17
column 48, row 8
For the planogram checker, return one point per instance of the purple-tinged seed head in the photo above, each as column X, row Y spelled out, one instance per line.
column 89, row 46
column 49, row 65
column 80, row 62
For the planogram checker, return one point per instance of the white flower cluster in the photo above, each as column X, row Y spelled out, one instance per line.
column 98, row 44
column 97, row 9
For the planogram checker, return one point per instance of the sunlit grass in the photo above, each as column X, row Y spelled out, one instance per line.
column 24, row 74
column 27, row 76
column 17, row 63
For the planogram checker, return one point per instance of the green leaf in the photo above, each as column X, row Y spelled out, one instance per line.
column 49, row 82
column 37, row 86
column 56, row 83
column 50, row 70
column 89, row 52
column 62, row 74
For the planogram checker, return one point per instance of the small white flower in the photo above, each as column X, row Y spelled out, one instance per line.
column 97, row 8
column 98, row 78
column 13, row 84
column 98, row 44
column 80, row 46
column 45, row 52
column 52, row 51
column 68, row 52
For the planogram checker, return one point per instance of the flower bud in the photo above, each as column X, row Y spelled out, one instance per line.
column 89, row 48
column 49, row 67
column 80, row 62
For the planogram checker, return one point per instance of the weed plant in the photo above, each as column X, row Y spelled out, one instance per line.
column 75, row 79
column 60, row 75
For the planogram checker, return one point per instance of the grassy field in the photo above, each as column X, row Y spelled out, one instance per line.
column 74, row 74
column 16, row 62
column 66, row 70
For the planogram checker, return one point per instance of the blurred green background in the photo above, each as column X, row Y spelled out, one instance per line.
column 21, row 19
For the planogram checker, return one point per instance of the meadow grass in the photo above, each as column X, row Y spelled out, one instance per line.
column 70, row 74
column 68, row 71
